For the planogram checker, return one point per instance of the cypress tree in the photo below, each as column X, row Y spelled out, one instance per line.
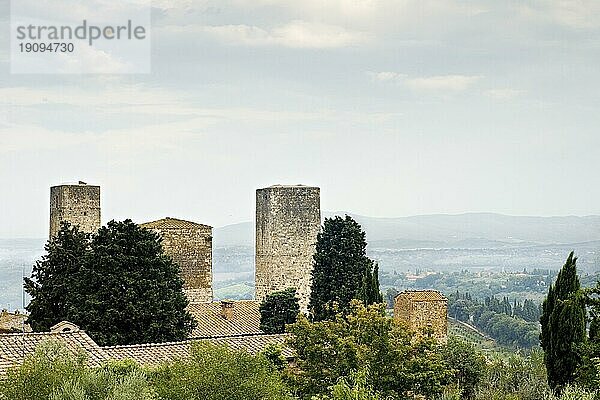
column 563, row 326
column 342, row 271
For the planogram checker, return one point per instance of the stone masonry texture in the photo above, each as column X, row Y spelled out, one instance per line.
column 190, row 246
column 78, row 204
column 288, row 219
column 423, row 311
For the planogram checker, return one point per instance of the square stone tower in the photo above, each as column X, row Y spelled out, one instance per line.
column 190, row 245
column 78, row 204
column 288, row 219
column 423, row 311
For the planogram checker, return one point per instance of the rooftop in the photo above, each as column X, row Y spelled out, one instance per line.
column 278, row 186
column 15, row 347
column 173, row 223
column 422, row 295
column 244, row 319
column 153, row 354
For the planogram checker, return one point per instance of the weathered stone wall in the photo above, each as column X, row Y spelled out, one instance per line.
column 421, row 314
column 190, row 246
column 77, row 204
column 288, row 219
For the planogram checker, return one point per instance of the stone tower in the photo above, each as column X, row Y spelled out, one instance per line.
column 78, row 204
column 190, row 245
column 424, row 312
column 288, row 219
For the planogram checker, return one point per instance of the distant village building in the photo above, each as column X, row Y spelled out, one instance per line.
column 13, row 322
column 190, row 246
column 78, row 204
column 288, row 219
column 424, row 312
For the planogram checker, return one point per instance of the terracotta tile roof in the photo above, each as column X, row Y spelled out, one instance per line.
column 155, row 353
column 422, row 295
column 15, row 346
column 173, row 223
column 211, row 323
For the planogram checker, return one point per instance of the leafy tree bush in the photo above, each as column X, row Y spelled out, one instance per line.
column 277, row 310
column 399, row 364
column 118, row 285
column 468, row 365
column 517, row 378
column 356, row 389
column 217, row 373
column 342, row 271
column 563, row 326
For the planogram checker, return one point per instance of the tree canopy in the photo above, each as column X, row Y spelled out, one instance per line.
column 277, row 310
column 342, row 271
column 118, row 285
column 365, row 339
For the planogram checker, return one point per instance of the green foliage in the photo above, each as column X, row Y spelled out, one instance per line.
column 273, row 353
column 54, row 277
column 398, row 363
column 468, row 365
column 342, row 271
column 563, row 323
column 369, row 292
column 356, row 389
column 217, row 373
column 517, row 378
column 50, row 367
column 510, row 324
column 117, row 285
column 277, row 310
column 509, row 331
column 52, row 372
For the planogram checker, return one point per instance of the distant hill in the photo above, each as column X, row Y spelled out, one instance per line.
column 471, row 230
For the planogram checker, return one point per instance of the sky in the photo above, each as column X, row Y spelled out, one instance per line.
column 392, row 108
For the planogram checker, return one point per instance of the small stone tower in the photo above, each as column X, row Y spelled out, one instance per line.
column 424, row 312
column 288, row 219
column 190, row 246
column 78, row 204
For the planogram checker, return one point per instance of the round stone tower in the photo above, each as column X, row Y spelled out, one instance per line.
column 288, row 219
column 78, row 204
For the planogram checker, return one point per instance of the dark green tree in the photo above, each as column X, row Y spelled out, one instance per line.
column 277, row 310
column 563, row 323
column 120, row 286
column 54, row 277
column 342, row 271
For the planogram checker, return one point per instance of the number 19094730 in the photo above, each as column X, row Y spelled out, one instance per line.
column 55, row 47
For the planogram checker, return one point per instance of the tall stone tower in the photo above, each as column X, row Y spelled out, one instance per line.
column 288, row 219
column 78, row 204
column 190, row 245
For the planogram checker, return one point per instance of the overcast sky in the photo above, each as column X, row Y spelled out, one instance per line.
column 393, row 108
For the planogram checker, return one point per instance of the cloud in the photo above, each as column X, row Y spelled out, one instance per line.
column 504, row 93
column 295, row 34
column 447, row 83
column 575, row 14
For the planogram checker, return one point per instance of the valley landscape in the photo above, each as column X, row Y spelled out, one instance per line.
column 485, row 253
